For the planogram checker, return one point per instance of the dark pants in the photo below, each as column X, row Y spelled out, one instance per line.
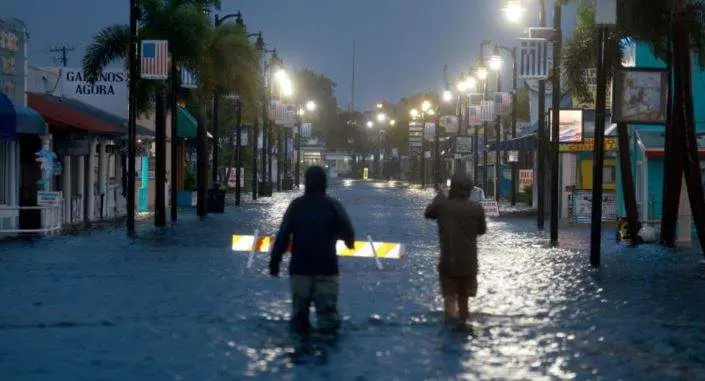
column 323, row 292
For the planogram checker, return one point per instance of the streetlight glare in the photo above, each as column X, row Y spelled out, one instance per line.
column 514, row 11
column 310, row 105
column 280, row 75
column 431, row 112
column 392, row 122
column 425, row 106
column 481, row 73
column 301, row 111
column 471, row 82
column 447, row 96
column 380, row 105
column 381, row 117
column 495, row 62
column 462, row 86
column 370, row 124
column 414, row 113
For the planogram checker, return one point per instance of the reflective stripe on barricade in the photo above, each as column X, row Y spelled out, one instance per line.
column 362, row 249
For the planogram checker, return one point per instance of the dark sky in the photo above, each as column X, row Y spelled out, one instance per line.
column 402, row 45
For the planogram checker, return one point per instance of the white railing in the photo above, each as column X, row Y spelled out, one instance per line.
column 51, row 219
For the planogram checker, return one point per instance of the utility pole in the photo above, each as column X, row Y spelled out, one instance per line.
column 63, row 55
column 541, row 135
column 132, row 118
column 556, row 106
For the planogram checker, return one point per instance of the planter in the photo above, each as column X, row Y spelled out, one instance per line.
column 186, row 198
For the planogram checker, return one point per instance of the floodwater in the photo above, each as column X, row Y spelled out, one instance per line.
column 178, row 304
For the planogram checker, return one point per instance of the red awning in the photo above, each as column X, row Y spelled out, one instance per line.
column 64, row 116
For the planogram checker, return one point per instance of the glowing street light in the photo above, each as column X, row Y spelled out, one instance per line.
column 392, row 122
column 310, row 105
column 425, row 106
column 414, row 113
column 380, row 105
column 370, row 124
column 481, row 73
column 381, row 117
column 447, row 96
column 514, row 11
column 495, row 60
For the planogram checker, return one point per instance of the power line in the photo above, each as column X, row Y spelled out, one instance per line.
column 62, row 55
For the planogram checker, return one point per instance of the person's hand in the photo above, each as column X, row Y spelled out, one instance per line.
column 274, row 270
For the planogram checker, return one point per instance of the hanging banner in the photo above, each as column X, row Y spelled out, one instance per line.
column 430, row 131
column 503, row 103
column 283, row 114
column 535, row 58
column 487, row 113
column 306, row 129
column 450, row 124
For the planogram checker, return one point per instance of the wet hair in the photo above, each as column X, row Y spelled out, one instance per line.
column 315, row 180
column 460, row 186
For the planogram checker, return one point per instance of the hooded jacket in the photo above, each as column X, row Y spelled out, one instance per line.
column 313, row 224
column 460, row 222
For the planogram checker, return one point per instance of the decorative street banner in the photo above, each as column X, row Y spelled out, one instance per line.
column 155, row 59
column 450, row 123
column 474, row 115
column 503, row 103
column 640, row 96
column 487, row 111
column 306, row 130
column 463, row 145
column 283, row 114
column 430, row 131
column 188, row 79
column 570, row 126
column 526, row 178
column 535, row 58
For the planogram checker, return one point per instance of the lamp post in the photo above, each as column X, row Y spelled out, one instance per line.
column 514, row 12
column 426, row 110
column 132, row 118
column 496, row 64
column 265, row 188
column 466, row 85
column 309, row 108
column 481, row 73
column 216, row 135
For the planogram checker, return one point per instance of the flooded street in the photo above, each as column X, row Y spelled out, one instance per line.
column 178, row 304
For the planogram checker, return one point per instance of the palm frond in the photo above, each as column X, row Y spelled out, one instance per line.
column 110, row 44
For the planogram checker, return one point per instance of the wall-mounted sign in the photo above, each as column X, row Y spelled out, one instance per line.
column 570, row 126
column 588, row 145
column 640, row 96
column 108, row 93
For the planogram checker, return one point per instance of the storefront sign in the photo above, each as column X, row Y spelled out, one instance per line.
column 640, row 96
column 72, row 147
column 491, row 208
column 48, row 198
column 588, row 145
column 108, row 93
column 13, row 69
column 526, row 178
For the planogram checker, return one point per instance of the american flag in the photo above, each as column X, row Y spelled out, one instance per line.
column 503, row 103
column 188, row 79
column 155, row 59
column 474, row 115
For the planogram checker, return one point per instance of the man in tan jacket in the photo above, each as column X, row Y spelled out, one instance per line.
column 460, row 222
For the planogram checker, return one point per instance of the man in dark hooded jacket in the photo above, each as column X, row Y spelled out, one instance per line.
column 313, row 224
column 460, row 222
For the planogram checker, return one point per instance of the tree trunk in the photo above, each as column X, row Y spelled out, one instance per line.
column 160, row 170
column 202, row 164
column 690, row 152
column 628, row 182
column 672, row 161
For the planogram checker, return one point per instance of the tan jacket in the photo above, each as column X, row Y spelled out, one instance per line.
column 460, row 222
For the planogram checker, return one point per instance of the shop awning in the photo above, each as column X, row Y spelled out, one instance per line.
column 186, row 124
column 74, row 116
column 30, row 122
column 19, row 120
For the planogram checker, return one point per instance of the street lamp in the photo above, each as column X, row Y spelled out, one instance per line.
column 427, row 109
column 514, row 11
column 481, row 73
column 370, row 124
